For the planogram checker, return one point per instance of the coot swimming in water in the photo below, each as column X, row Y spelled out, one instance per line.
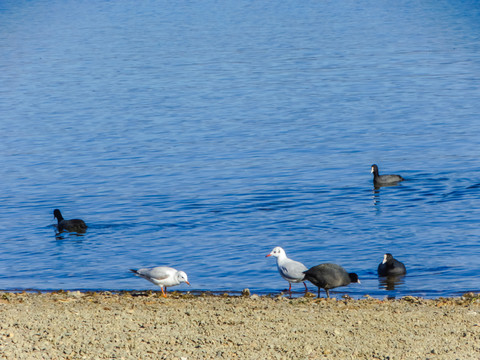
column 73, row 225
column 391, row 266
column 384, row 179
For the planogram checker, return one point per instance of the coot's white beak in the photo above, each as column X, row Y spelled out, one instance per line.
column 384, row 259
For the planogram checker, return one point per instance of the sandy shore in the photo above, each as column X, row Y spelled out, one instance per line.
column 74, row 325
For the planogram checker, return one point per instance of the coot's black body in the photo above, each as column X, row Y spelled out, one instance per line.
column 391, row 266
column 73, row 225
column 328, row 276
column 382, row 180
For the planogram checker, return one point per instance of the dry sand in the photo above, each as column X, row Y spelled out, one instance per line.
column 74, row 325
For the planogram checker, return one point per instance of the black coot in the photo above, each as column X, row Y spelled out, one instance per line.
column 391, row 267
column 384, row 179
column 329, row 276
column 73, row 225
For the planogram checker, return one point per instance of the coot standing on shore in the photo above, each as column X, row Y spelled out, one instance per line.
column 329, row 276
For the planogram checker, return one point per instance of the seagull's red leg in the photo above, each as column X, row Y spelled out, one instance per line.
column 306, row 289
column 164, row 293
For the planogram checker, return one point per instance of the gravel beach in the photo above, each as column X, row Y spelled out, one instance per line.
column 75, row 325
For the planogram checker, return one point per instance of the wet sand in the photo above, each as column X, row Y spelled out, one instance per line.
column 74, row 325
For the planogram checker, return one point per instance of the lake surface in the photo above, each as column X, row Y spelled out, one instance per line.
column 202, row 135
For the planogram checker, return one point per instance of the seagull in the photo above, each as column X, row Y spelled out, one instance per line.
column 162, row 276
column 290, row 270
column 329, row 276
column 74, row 225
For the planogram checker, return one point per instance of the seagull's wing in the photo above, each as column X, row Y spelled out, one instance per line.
column 293, row 270
column 159, row 273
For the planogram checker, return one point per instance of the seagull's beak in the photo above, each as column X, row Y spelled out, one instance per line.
column 268, row 255
column 188, row 283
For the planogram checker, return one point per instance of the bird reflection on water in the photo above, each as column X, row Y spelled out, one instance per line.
column 376, row 195
column 390, row 282
column 376, row 192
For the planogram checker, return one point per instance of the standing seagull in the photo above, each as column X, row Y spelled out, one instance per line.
column 329, row 276
column 384, row 180
column 391, row 266
column 290, row 270
column 162, row 276
column 74, row 225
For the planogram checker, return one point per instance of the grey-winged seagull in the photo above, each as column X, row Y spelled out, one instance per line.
column 162, row 276
column 290, row 270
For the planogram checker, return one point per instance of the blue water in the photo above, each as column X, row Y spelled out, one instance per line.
column 201, row 135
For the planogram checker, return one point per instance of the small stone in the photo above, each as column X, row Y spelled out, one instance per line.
column 75, row 294
column 246, row 292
